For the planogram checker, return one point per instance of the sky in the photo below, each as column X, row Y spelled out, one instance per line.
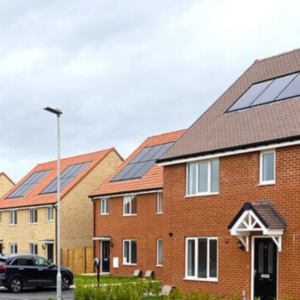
column 121, row 71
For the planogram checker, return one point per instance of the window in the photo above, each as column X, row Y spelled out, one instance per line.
column 13, row 248
column 267, row 167
column 33, row 216
column 50, row 214
column 22, row 262
column 201, row 259
column 33, row 248
column 159, row 203
column 13, row 220
column 0, row 217
column 203, row 178
column 129, row 205
column 159, row 252
column 104, row 206
column 39, row 261
column 129, row 252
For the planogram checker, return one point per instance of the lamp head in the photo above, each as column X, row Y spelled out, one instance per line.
column 55, row 111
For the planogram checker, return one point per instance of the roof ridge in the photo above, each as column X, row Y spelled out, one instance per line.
column 278, row 55
column 75, row 156
column 166, row 133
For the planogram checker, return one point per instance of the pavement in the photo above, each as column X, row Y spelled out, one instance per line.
column 34, row 294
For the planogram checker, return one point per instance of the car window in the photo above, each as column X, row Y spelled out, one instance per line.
column 2, row 262
column 22, row 262
column 39, row 261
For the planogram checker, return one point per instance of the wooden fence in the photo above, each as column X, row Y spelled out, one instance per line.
column 79, row 260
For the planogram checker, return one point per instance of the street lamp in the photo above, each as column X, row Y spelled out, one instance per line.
column 57, row 112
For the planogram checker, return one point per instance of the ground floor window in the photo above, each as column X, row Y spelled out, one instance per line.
column 33, row 248
column 202, row 258
column 13, row 248
column 159, row 252
column 129, row 252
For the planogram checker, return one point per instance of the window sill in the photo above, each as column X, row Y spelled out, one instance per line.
column 33, row 223
column 50, row 220
column 266, row 183
column 201, row 195
column 129, row 264
column 159, row 266
column 13, row 224
column 104, row 214
column 159, row 213
column 201, row 279
column 133, row 215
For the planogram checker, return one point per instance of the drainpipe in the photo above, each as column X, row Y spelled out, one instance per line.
column 94, row 227
column 55, row 233
column 244, row 295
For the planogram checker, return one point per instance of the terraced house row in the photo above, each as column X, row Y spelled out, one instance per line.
column 211, row 208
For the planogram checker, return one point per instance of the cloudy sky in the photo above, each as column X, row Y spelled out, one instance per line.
column 123, row 70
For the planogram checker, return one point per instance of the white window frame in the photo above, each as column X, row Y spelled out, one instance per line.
column 195, row 278
column 159, row 203
column 196, row 179
column 13, row 217
column 33, row 219
column 261, row 181
column 124, row 258
column 157, row 253
column 104, row 207
column 0, row 217
column 50, row 213
column 13, row 248
column 34, row 247
column 130, row 205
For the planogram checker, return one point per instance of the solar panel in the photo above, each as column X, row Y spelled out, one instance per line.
column 275, row 89
column 65, row 178
column 28, row 184
column 142, row 162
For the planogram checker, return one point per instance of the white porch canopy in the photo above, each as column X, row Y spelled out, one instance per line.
column 102, row 238
column 258, row 217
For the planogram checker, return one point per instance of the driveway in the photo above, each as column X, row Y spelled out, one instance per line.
column 34, row 294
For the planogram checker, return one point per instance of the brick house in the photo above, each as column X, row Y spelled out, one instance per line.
column 128, row 211
column 232, row 186
column 28, row 211
column 5, row 184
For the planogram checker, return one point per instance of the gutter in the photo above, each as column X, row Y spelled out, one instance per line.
column 228, row 149
column 28, row 207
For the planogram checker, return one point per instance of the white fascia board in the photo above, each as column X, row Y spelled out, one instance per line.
column 229, row 153
column 27, row 207
column 127, row 194
column 101, row 239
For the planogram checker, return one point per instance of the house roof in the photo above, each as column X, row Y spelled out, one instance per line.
column 218, row 130
column 265, row 212
column 152, row 179
column 33, row 197
column 3, row 174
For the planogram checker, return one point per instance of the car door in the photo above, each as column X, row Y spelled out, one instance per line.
column 24, row 267
column 46, row 271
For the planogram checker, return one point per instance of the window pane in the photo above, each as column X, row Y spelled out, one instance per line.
column 192, row 179
column 159, row 250
column 159, row 202
column 133, row 252
column 126, row 252
column 203, row 178
column 202, row 258
column 213, row 258
column 261, row 258
column 215, row 176
column 268, row 166
column 127, row 205
column 191, row 258
column 270, row 262
column 134, row 205
column 107, row 206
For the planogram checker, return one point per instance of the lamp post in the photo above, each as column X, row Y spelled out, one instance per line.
column 57, row 112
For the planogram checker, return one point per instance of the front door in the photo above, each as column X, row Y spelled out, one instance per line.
column 50, row 252
column 105, row 256
column 265, row 269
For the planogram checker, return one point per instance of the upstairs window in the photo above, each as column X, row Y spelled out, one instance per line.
column 50, row 214
column 104, row 206
column 130, row 205
column 33, row 216
column 267, row 167
column 203, row 178
column 159, row 204
column 13, row 220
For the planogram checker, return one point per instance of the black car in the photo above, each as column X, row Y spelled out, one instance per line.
column 18, row 271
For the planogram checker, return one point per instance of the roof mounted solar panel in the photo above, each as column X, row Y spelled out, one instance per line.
column 65, row 178
column 142, row 162
column 28, row 184
column 280, row 88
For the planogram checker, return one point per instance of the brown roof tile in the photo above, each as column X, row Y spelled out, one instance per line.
column 216, row 130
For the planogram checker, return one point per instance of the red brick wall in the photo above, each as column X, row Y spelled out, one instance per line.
column 209, row 216
column 145, row 227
